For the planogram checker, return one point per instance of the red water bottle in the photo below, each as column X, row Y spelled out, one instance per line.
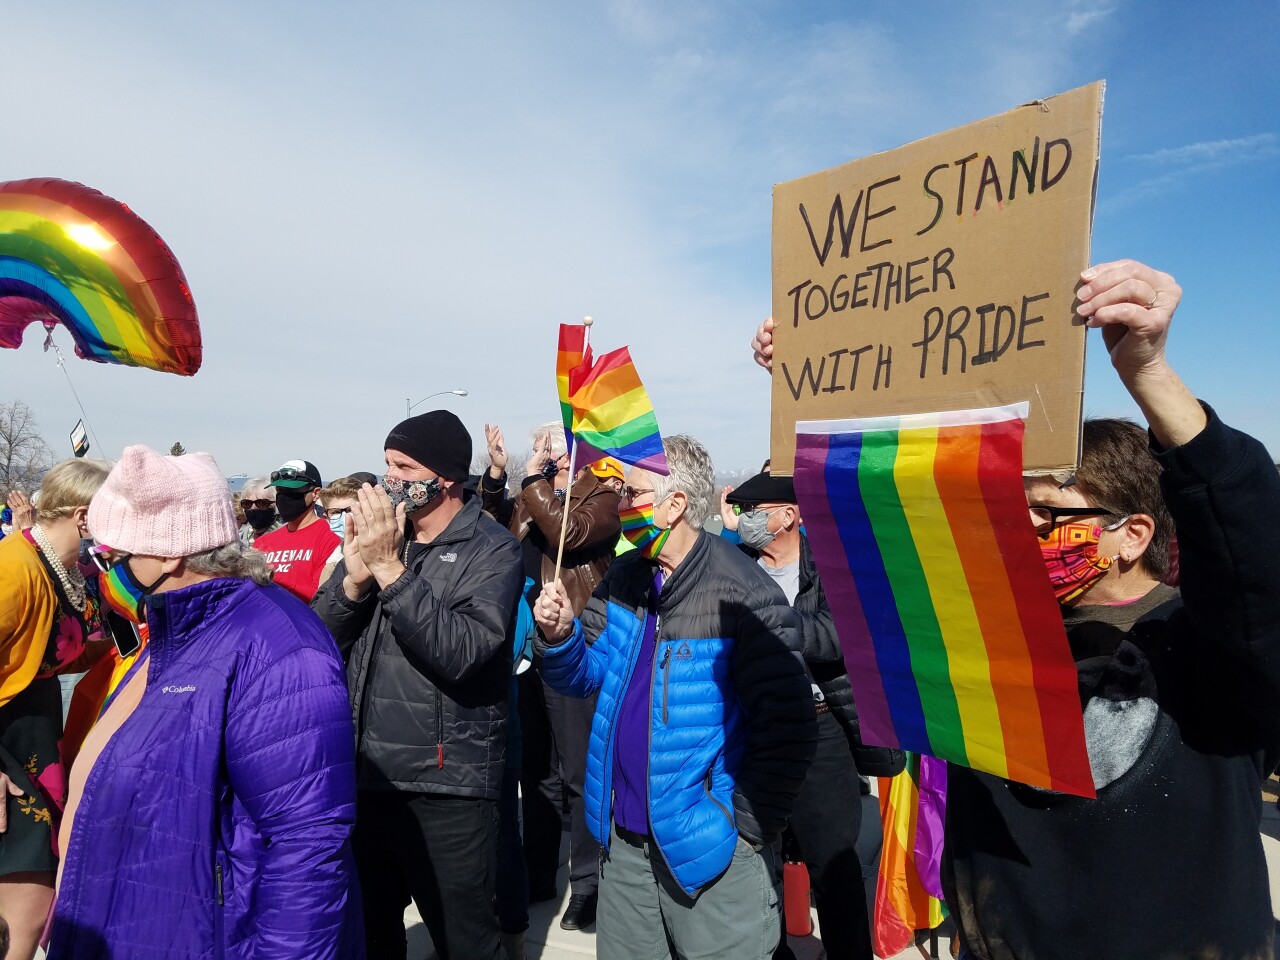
column 795, row 898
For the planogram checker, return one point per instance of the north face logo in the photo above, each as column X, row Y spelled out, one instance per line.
column 684, row 653
column 448, row 557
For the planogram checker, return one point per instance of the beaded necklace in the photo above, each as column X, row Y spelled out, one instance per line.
column 73, row 585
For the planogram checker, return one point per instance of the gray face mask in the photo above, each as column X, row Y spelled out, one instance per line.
column 753, row 528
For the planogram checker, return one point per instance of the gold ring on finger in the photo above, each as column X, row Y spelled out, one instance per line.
column 1152, row 302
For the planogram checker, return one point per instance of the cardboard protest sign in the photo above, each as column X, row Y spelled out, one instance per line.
column 941, row 276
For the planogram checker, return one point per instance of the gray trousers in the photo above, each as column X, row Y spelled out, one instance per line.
column 644, row 915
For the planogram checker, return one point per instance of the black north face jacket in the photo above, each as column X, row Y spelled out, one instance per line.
column 429, row 661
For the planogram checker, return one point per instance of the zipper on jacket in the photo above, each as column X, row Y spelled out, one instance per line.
column 439, row 730
column 606, row 796
column 712, row 797
column 648, row 800
column 666, row 679
column 219, row 920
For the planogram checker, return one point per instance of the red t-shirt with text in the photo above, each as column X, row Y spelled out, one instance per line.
column 298, row 559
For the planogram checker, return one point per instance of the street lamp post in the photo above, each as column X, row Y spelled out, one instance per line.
column 408, row 407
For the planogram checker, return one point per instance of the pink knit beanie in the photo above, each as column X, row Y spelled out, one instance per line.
column 161, row 506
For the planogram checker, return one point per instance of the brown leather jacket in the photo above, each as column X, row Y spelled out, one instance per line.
column 534, row 517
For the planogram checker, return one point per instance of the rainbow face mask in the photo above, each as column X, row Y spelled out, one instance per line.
column 1071, row 556
column 121, row 591
column 638, row 527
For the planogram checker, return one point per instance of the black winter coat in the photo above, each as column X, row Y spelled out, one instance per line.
column 429, row 661
column 825, row 660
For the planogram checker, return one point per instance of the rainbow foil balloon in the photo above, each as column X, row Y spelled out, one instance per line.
column 72, row 255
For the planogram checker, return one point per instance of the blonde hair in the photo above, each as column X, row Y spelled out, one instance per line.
column 343, row 489
column 68, row 485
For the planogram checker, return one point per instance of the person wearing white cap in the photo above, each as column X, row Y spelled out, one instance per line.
column 211, row 806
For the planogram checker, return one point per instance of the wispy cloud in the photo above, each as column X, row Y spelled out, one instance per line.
column 1166, row 169
column 1083, row 15
column 1237, row 150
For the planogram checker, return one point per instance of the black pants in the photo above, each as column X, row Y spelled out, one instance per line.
column 825, row 823
column 439, row 850
column 556, row 732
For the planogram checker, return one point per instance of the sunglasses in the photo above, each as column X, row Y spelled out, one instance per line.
column 290, row 473
column 1046, row 518
column 257, row 504
column 104, row 558
column 631, row 493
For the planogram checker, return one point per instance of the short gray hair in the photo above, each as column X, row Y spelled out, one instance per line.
column 256, row 489
column 554, row 430
column 229, row 560
column 692, row 474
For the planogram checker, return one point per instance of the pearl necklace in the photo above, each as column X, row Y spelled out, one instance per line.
column 72, row 584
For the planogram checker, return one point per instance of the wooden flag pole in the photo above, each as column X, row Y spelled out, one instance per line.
column 573, row 457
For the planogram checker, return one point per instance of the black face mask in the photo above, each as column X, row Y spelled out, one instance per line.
column 291, row 505
column 260, row 519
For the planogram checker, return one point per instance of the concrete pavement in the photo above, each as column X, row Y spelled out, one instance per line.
column 546, row 941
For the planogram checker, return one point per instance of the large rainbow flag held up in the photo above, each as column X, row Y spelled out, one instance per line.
column 607, row 409
column 954, row 642
column 71, row 255
column 908, row 886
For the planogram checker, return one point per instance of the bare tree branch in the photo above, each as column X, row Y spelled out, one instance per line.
column 24, row 454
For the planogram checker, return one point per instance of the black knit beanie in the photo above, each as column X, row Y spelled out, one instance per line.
column 437, row 440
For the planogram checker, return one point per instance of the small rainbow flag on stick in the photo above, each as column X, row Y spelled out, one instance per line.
column 953, row 639
column 571, row 352
column 611, row 412
column 908, row 890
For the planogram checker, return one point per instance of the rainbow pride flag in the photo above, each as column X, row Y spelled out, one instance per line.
column 908, row 890
column 571, row 352
column 612, row 414
column 949, row 627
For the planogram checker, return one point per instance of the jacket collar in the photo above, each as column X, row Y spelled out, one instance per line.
column 179, row 616
column 676, row 586
column 463, row 526
column 808, row 566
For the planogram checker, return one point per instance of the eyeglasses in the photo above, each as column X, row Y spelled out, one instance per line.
column 631, row 494
column 290, row 473
column 257, row 504
column 104, row 558
column 740, row 508
column 1046, row 518
column 337, row 512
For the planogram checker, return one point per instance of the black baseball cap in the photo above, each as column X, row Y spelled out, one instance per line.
column 296, row 475
column 763, row 488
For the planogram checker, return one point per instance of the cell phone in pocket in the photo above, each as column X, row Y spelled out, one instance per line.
column 123, row 633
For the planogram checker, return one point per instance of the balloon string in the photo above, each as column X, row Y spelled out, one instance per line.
column 62, row 362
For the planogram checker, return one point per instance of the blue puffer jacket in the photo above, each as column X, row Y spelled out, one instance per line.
column 215, row 822
column 731, row 720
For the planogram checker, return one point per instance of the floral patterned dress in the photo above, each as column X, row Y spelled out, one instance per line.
column 31, row 722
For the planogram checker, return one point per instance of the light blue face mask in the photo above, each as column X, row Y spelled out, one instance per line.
column 339, row 526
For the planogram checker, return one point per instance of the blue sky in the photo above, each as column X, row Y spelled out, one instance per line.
column 385, row 200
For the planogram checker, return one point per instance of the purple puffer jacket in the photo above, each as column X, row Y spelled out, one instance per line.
column 216, row 821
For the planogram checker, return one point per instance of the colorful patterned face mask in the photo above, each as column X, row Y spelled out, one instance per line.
column 414, row 494
column 639, row 528
column 1070, row 554
column 121, row 591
